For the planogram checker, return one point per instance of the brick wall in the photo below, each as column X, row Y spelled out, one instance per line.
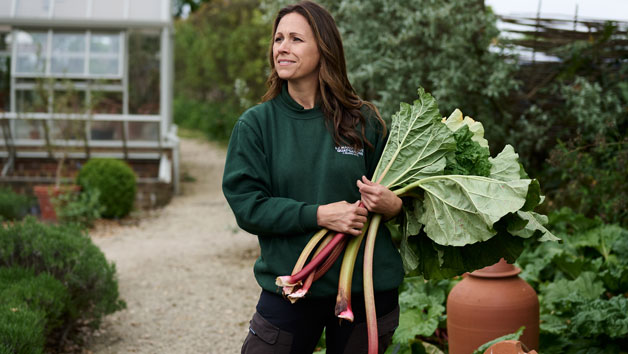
column 29, row 172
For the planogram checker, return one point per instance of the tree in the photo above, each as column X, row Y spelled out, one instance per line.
column 191, row 5
column 220, row 64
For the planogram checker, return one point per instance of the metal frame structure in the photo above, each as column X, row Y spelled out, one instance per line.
column 130, row 14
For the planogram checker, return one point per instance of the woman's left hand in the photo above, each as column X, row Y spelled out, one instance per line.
column 379, row 199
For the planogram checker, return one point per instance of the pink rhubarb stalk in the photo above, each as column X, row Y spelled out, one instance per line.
column 320, row 271
column 309, row 247
column 293, row 296
column 330, row 260
column 369, row 295
column 343, row 299
column 292, row 280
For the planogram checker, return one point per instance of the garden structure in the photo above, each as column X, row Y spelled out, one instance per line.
column 87, row 78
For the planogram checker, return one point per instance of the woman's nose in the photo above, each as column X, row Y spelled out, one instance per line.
column 284, row 47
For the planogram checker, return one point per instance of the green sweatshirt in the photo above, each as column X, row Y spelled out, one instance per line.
column 282, row 163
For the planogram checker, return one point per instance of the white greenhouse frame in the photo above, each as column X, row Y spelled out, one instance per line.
column 94, row 17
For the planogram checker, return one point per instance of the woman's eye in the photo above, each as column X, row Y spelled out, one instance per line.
column 297, row 39
column 278, row 39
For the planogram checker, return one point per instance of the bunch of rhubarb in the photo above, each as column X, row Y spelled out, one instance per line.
column 462, row 209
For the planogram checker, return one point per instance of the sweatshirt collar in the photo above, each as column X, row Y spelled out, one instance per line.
column 294, row 109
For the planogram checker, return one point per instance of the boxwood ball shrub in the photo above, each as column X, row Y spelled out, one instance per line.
column 116, row 182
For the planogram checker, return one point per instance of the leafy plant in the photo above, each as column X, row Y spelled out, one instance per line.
column 115, row 181
column 13, row 206
column 581, row 285
column 81, row 208
column 422, row 319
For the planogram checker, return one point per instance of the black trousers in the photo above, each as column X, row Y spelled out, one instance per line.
column 280, row 327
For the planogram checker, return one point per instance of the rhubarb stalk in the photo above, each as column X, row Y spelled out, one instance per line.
column 369, row 295
column 298, row 266
column 293, row 296
column 343, row 300
column 333, row 256
column 292, row 280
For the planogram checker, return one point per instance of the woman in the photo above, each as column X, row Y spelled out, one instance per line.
column 299, row 162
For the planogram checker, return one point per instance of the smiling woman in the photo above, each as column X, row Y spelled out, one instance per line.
column 300, row 161
column 296, row 56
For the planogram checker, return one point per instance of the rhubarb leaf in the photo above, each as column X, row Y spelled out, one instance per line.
column 461, row 210
column 413, row 210
column 505, row 166
column 534, row 225
column 421, row 309
column 417, row 146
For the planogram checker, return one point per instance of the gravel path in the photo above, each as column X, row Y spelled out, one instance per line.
column 185, row 271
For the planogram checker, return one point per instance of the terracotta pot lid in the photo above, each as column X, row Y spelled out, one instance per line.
column 500, row 269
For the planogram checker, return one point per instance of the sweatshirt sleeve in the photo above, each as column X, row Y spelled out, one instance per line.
column 246, row 185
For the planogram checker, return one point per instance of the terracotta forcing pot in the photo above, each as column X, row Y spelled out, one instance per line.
column 489, row 303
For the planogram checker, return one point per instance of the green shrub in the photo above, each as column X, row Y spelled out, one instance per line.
column 116, row 182
column 79, row 208
column 69, row 255
column 21, row 330
column 12, row 205
column 214, row 119
column 42, row 293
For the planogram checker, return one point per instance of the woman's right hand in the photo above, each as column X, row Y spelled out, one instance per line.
column 342, row 217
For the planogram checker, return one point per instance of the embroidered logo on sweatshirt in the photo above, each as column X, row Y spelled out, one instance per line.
column 348, row 150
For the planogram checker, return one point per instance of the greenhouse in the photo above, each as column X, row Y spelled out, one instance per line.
column 87, row 78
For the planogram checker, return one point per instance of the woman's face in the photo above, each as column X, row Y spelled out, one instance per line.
column 295, row 52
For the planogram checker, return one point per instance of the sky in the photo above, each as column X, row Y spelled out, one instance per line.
column 587, row 9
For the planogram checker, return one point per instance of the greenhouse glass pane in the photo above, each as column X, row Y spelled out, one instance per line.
column 32, row 8
column 105, row 43
column 145, row 9
column 68, row 53
column 68, row 43
column 106, row 130
column 31, row 51
column 145, row 131
column 104, row 54
column 144, row 72
column 67, row 65
column 103, row 66
column 70, row 8
column 108, row 9
column 29, row 129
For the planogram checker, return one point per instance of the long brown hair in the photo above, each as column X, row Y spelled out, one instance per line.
column 338, row 100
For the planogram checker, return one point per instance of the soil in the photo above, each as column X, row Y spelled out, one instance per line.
column 185, row 271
